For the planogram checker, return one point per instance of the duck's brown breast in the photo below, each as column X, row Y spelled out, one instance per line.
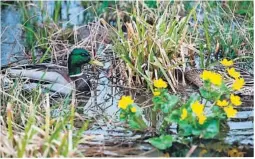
column 82, row 83
column 193, row 76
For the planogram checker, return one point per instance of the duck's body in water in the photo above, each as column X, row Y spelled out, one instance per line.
column 55, row 79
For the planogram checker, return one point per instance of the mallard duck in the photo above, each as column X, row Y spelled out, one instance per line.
column 56, row 79
column 193, row 76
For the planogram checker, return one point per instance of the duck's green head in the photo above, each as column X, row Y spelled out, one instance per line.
column 77, row 58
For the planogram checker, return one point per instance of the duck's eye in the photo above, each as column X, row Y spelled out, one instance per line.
column 83, row 54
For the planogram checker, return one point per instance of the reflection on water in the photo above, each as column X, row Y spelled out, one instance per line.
column 11, row 41
column 71, row 12
column 104, row 97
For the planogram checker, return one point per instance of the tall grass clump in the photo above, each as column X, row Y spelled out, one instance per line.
column 39, row 27
column 228, row 31
column 103, row 9
column 57, row 11
column 153, row 45
column 29, row 130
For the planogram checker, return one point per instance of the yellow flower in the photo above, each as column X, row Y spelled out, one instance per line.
column 125, row 101
column 201, row 119
column 184, row 114
column 235, row 153
column 226, row 63
column 197, row 108
column 133, row 109
column 160, row 83
column 216, row 79
column 238, row 84
column 232, row 72
column 156, row 93
column 222, row 103
column 206, row 75
column 213, row 77
column 236, row 100
column 230, row 111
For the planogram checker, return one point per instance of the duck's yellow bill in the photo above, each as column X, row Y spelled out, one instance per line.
column 96, row 62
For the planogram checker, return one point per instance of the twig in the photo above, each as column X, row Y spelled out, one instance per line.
column 193, row 148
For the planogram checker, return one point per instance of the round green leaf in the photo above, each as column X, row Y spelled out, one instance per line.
column 163, row 142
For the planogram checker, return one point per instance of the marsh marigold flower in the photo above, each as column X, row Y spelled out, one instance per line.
column 232, row 72
column 226, row 63
column 216, row 79
column 235, row 153
column 201, row 119
column 238, row 84
column 230, row 111
column 222, row 103
column 133, row 109
column 156, row 93
column 125, row 101
column 184, row 114
column 236, row 100
column 206, row 75
column 160, row 83
column 213, row 77
column 197, row 108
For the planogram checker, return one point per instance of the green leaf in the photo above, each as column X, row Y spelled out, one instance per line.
column 216, row 109
column 207, row 84
column 156, row 107
column 134, row 125
column 123, row 115
column 196, row 132
column 206, row 94
column 210, row 95
column 224, row 88
column 156, row 100
column 173, row 117
column 163, row 142
column 171, row 102
column 165, row 108
column 212, row 128
column 185, row 129
column 137, row 123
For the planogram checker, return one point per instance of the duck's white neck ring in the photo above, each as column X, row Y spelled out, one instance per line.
column 77, row 75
